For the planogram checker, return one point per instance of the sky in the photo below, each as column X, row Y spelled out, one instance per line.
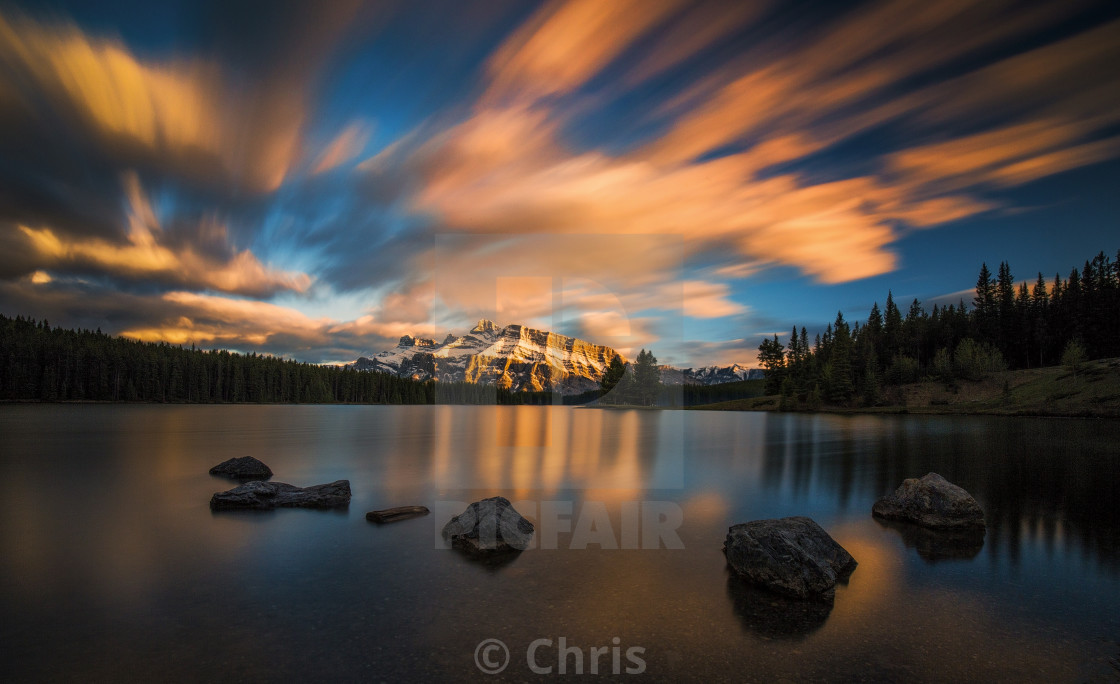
column 314, row 180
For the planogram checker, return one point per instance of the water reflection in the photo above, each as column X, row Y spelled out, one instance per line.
column 772, row 616
column 548, row 449
column 108, row 544
column 938, row 545
column 1044, row 482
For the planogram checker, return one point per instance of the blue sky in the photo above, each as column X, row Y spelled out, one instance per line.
column 316, row 181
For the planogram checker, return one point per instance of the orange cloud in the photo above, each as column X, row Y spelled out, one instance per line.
column 967, row 160
column 182, row 111
column 569, row 41
column 835, row 231
column 709, row 300
column 236, row 322
column 194, row 318
column 143, row 256
column 346, row 146
column 507, row 167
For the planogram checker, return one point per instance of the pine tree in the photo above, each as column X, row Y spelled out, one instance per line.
column 1040, row 312
column 647, row 378
column 840, row 387
column 985, row 312
column 892, row 329
column 771, row 356
column 612, row 375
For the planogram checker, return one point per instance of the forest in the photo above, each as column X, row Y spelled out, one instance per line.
column 43, row 363
column 1007, row 326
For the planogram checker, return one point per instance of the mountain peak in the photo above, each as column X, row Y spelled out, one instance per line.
column 484, row 325
column 518, row 357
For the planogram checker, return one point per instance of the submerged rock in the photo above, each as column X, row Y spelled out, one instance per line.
column 791, row 556
column 489, row 526
column 931, row 501
column 268, row 495
column 243, row 468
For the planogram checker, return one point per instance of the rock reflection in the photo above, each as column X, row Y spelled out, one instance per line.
column 938, row 545
column 1041, row 485
column 774, row 616
column 491, row 561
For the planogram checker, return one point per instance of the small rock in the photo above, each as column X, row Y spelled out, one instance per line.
column 931, row 501
column 268, row 495
column 489, row 526
column 791, row 556
column 389, row 515
column 243, row 468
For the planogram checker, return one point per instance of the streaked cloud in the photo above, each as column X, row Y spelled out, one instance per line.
column 738, row 142
column 567, row 42
column 508, row 166
column 346, row 146
column 182, row 112
column 143, row 256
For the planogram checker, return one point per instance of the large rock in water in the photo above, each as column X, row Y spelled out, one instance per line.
column 243, row 468
column 931, row 501
column 489, row 526
column 791, row 556
column 268, row 495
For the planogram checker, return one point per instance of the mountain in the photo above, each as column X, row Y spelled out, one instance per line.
column 514, row 357
column 710, row 375
column 519, row 358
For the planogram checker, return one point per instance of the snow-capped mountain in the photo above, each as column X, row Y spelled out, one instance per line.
column 715, row 375
column 514, row 357
column 520, row 358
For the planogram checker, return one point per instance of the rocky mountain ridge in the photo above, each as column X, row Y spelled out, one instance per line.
column 519, row 358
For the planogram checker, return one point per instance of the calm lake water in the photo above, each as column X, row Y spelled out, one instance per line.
column 113, row 567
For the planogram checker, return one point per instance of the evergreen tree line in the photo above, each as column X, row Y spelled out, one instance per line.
column 698, row 395
column 41, row 363
column 1007, row 326
column 637, row 383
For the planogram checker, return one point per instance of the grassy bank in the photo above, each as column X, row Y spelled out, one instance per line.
column 1093, row 391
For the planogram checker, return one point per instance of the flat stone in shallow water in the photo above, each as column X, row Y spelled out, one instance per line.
column 791, row 556
column 931, row 501
column 268, row 495
column 242, row 468
column 489, row 526
column 389, row 515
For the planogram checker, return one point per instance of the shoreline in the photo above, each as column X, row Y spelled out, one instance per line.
column 913, row 411
column 1092, row 390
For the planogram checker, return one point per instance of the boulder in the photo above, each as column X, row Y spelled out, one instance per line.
column 269, row 495
column 931, row 501
column 243, row 468
column 791, row 556
column 489, row 526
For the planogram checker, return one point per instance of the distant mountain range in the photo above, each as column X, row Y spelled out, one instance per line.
column 519, row 358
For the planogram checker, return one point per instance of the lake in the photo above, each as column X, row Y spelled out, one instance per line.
column 114, row 568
